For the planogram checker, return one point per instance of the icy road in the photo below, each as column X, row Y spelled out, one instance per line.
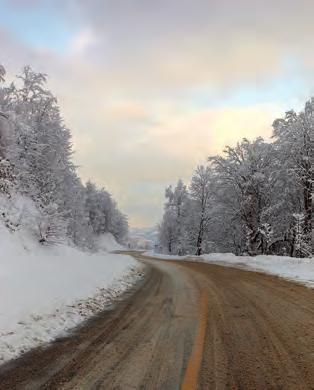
column 185, row 326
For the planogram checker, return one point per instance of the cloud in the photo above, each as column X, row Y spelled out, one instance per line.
column 137, row 166
column 182, row 43
column 82, row 41
column 24, row 3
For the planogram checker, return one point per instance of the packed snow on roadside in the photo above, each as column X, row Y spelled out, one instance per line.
column 300, row 270
column 46, row 291
column 107, row 242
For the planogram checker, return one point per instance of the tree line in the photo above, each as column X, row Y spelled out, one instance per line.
column 254, row 198
column 36, row 162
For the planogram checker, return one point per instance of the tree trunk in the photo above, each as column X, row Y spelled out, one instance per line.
column 169, row 246
column 200, row 238
column 308, row 208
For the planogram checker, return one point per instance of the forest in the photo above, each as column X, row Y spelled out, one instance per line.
column 254, row 198
column 40, row 189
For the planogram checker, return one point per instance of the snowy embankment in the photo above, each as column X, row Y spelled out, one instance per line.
column 46, row 291
column 299, row 270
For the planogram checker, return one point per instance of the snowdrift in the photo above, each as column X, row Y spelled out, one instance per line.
column 107, row 242
column 295, row 269
column 47, row 290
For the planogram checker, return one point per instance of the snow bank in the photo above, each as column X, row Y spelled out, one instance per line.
column 300, row 270
column 108, row 243
column 167, row 257
column 45, row 291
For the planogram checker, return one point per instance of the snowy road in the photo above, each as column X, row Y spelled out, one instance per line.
column 186, row 326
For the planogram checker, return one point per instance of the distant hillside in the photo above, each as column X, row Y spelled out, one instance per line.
column 143, row 238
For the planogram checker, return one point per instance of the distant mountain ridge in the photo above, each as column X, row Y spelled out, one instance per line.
column 143, row 238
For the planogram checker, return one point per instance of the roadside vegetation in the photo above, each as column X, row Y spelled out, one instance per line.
column 255, row 198
column 40, row 190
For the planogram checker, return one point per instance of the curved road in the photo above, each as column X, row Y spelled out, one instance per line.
column 186, row 326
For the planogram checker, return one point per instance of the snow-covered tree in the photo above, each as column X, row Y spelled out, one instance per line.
column 201, row 192
column 6, row 169
column 172, row 234
column 256, row 197
column 244, row 179
column 301, row 245
column 167, row 232
column 294, row 136
column 103, row 213
column 2, row 74
column 36, row 157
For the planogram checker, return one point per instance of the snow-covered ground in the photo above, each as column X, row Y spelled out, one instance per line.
column 300, row 270
column 106, row 242
column 45, row 291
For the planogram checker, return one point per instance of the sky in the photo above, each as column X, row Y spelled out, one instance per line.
column 150, row 89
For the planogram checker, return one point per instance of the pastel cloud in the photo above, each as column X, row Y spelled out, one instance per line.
column 156, row 155
column 82, row 41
